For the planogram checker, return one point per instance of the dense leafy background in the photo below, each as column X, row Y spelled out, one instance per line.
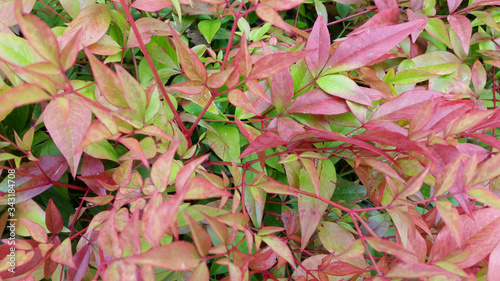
column 250, row 140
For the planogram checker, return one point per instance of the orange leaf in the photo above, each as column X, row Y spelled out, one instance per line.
column 201, row 238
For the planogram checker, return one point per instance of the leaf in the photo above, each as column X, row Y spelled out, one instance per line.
column 63, row 254
column 147, row 27
column 40, row 37
column 479, row 77
column 283, row 5
column 94, row 22
column 453, row 5
column 135, row 147
column 200, row 188
column 415, row 183
column 201, row 273
column 403, row 106
column 411, row 76
column 106, row 46
column 257, row 89
column 134, row 94
column 8, row 14
column 476, row 232
column 37, row 232
column 463, row 28
column 263, row 259
column 391, row 248
column 361, row 50
column 494, row 263
column 191, row 64
column 224, row 141
column 282, row 90
column 311, row 210
column 437, row 29
column 348, row 191
column 485, row 196
column 416, row 270
column 107, row 81
column 73, row 7
column 186, row 257
column 264, row 141
column 268, row 14
column 450, row 216
column 53, row 218
column 209, row 28
column 67, row 120
column 240, row 100
column 343, row 87
column 280, row 248
column 271, row 64
column 217, row 80
column 340, row 268
column 201, row 238
column 70, row 52
column 319, row 103
column 276, row 188
column 187, row 170
column 160, row 171
column 319, row 41
column 21, row 95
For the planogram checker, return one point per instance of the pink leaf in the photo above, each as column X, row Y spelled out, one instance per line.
column 453, row 5
column 67, row 120
column 462, row 27
column 186, row 257
column 319, row 40
column 363, row 49
column 282, row 90
column 271, row 64
column 318, row 102
column 264, row 141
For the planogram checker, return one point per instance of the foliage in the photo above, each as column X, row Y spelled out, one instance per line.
column 234, row 140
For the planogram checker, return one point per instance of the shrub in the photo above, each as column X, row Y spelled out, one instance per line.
column 249, row 140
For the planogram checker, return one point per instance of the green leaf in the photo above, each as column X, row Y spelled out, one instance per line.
column 348, row 191
column 343, row 87
column 208, row 28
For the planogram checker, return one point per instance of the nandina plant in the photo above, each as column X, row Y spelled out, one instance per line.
column 249, row 140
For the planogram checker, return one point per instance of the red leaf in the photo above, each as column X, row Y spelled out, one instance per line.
column 363, row 49
column 186, row 257
column 318, row 102
column 319, row 41
column 391, row 248
column 190, row 62
column 264, row 141
column 404, row 106
column 462, row 27
column 53, row 218
column 263, row 259
column 282, row 90
column 271, row 64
